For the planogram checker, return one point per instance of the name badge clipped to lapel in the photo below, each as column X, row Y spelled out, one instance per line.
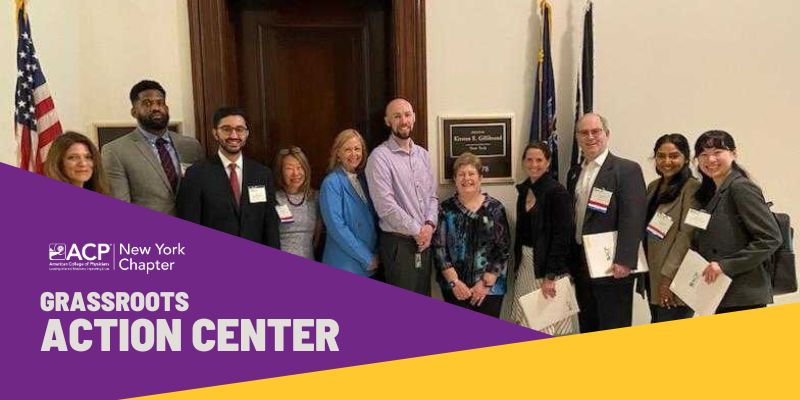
column 698, row 219
column 257, row 194
column 599, row 200
column 285, row 214
column 659, row 225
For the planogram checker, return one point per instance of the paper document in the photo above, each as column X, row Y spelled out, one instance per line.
column 541, row 313
column 600, row 249
column 692, row 288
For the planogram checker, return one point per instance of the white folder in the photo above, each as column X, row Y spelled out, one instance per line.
column 600, row 249
column 541, row 313
column 690, row 286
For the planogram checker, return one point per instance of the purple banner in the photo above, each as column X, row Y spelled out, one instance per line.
column 102, row 299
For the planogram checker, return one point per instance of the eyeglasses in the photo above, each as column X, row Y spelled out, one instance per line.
column 290, row 150
column 593, row 132
column 241, row 130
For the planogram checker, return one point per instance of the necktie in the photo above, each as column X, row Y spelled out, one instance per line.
column 166, row 163
column 235, row 186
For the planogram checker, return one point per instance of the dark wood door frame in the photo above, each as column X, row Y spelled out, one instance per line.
column 215, row 70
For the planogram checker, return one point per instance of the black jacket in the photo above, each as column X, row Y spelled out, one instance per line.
column 552, row 225
column 205, row 197
column 627, row 212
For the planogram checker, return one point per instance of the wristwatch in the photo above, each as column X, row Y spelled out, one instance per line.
column 431, row 224
column 452, row 283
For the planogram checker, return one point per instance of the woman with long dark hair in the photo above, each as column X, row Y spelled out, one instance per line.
column 669, row 199
column 741, row 233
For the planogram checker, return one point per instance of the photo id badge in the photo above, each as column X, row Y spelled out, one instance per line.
column 698, row 219
column 599, row 200
column 257, row 194
column 659, row 225
column 285, row 214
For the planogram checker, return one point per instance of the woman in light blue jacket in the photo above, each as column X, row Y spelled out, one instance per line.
column 350, row 219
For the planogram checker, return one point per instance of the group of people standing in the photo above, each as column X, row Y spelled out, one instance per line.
column 381, row 215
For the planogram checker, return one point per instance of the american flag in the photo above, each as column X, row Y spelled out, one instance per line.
column 37, row 124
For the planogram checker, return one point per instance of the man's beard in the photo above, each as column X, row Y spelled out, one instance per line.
column 400, row 135
column 152, row 124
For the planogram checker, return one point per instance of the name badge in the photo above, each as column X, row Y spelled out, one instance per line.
column 285, row 214
column 659, row 225
column 599, row 200
column 698, row 219
column 257, row 194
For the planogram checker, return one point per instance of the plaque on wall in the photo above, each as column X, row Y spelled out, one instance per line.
column 109, row 131
column 489, row 138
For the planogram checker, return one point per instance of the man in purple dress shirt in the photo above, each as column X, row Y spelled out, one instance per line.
column 403, row 191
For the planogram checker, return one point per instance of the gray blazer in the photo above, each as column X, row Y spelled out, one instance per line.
column 741, row 235
column 135, row 172
column 664, row 256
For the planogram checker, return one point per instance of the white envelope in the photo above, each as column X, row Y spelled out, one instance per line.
column 600, row 249
column 690, row 286
column 541, row 313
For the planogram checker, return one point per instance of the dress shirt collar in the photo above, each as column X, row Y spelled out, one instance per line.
column 152, row 137
column 599, row 161
column 226, row 162
column 394, row 146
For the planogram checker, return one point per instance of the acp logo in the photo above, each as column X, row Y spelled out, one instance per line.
column 75, row 252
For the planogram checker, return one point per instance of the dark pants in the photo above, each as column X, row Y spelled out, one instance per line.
column 725, row 310
column 663, row 314
column 398, row 254
column 491, row 304
column 605, row 303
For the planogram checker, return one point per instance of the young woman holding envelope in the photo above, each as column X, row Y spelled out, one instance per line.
column 669, row 199
column 735, row 232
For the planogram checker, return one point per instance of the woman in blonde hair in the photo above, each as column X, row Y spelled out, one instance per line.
column 74, row 159
column 350, row 219
column 297, row 203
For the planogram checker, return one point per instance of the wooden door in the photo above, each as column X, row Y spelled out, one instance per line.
column 310, row 69
column 306, row 69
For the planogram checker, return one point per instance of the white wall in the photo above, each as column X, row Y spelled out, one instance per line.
column 92, row 52
column 661, row 66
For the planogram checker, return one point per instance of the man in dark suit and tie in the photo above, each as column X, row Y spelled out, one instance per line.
column 229, row 192
column 609, row 194
column 145, row 166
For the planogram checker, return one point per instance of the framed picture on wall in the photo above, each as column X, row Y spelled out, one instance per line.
column 108, row 131
column 488, row 137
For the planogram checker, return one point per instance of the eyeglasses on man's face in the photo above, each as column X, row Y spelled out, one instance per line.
column 585, row 133
column 227, row 129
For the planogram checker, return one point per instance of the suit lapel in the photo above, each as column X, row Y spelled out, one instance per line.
column 349, row 186
column 712, row 204
column 177, row 146
column 221, row 176
column 601, row 181
column 147, row 152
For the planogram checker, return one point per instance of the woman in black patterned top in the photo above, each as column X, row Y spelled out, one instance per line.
column 472, row 243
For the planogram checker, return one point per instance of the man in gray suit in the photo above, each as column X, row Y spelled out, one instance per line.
column 145, row 166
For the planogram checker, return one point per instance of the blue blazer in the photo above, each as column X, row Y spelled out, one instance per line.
column 351, row 224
